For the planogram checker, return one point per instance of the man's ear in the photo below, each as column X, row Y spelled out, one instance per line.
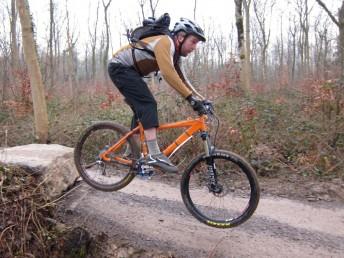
column 180, row 38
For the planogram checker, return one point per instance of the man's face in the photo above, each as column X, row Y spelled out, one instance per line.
column 189, row 45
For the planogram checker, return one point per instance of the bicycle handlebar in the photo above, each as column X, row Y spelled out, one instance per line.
column 208, row 108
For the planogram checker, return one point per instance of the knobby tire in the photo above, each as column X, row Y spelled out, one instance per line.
column 239, row 195
column 104, row 176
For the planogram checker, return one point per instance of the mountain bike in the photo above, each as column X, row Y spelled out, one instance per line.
column 218, row 187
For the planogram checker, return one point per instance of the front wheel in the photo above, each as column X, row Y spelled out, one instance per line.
column 221, row 190
column 105, row 175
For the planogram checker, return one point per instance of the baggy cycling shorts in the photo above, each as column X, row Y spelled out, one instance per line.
column 136, row 93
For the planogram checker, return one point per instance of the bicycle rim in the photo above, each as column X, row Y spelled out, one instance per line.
column 237, row 194
column 103, row 175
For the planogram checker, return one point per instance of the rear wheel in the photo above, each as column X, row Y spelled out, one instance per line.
column 100, row 174
column 225, row 198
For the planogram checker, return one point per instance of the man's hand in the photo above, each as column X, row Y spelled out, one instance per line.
column 196, row 104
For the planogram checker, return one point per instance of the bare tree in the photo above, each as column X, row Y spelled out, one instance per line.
column 196, row 58
column 107, row 34
column 50, row 42
column 93, row 38
column 264, row 31
column 293, row 29
column 339, row 93
column 71, row 41
column 54, row 38
column 142, row 5
column 86, row 63
column 241, row 44
column 340, row 24
column 281, row 49
column 37, row 87
column 153, row 6
column 247, row 60
column 322, row 47
column 221, row 49
column 14, row 43
column 4, row 60
column 304, row 46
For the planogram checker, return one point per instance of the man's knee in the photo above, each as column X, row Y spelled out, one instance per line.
column 153, row 104
column 149, row 106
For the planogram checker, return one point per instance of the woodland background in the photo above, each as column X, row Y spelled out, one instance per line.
column 275, row 75
column 279, row 93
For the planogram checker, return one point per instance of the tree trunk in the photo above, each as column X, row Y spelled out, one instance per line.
column 70, row 59
column 153, row 7
column 240, row 28
column 247, row 63
column 37, row 87
column 326, row 50
column 341, row 39
column 142, row 4
column 196, row 62
column 57, row 54
column 94, row 63
column 291, row 49
column 14, row 43
column 4, row 73
column 86, row 64
column 107, row 40
column 281, row 57
column 305, row 30
column 50, row 44
column 194, row 11
column 294, row 59
column 93, row 36
column 340, row 24
column 263, row 41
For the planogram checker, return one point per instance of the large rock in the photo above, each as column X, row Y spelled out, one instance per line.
column 53, row 162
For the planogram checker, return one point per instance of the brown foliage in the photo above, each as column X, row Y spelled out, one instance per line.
column 20, row 109
column 111, row 98
column 23, row 213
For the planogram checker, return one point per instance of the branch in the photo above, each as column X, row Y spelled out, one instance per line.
column 106, row 6
column 328, row 12
column 153, row 8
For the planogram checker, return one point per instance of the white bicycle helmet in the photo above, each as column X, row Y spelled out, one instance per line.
column 189, row 27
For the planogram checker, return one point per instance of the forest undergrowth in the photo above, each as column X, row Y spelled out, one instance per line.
column 301, row 130
column 293, row 132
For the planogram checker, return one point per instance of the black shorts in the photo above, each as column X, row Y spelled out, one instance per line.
column 136, row 93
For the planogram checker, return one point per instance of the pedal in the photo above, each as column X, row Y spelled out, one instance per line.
column 145, row 171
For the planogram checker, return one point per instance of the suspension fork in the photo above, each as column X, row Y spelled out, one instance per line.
column 211, row 168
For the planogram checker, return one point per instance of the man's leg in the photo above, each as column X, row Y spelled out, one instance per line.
column 152, row 143
column 142, row 102
column 156, row 157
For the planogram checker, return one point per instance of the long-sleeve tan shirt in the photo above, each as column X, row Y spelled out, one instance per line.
column 164, row 60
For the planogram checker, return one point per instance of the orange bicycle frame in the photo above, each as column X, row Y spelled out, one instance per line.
column 193, row 126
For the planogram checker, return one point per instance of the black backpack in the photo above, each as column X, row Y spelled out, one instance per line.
column 150, row 27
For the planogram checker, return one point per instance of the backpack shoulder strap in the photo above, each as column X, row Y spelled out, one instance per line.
column 135, row 62
column 144, row 48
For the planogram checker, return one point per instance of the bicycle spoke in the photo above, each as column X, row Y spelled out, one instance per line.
column 102, row 174
column 223, row 201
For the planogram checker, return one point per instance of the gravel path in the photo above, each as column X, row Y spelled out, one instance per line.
column 150, row 214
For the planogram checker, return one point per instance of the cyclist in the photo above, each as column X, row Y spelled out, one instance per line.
column 128, row 65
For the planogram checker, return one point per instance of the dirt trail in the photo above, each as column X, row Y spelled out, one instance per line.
column 151, row 214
